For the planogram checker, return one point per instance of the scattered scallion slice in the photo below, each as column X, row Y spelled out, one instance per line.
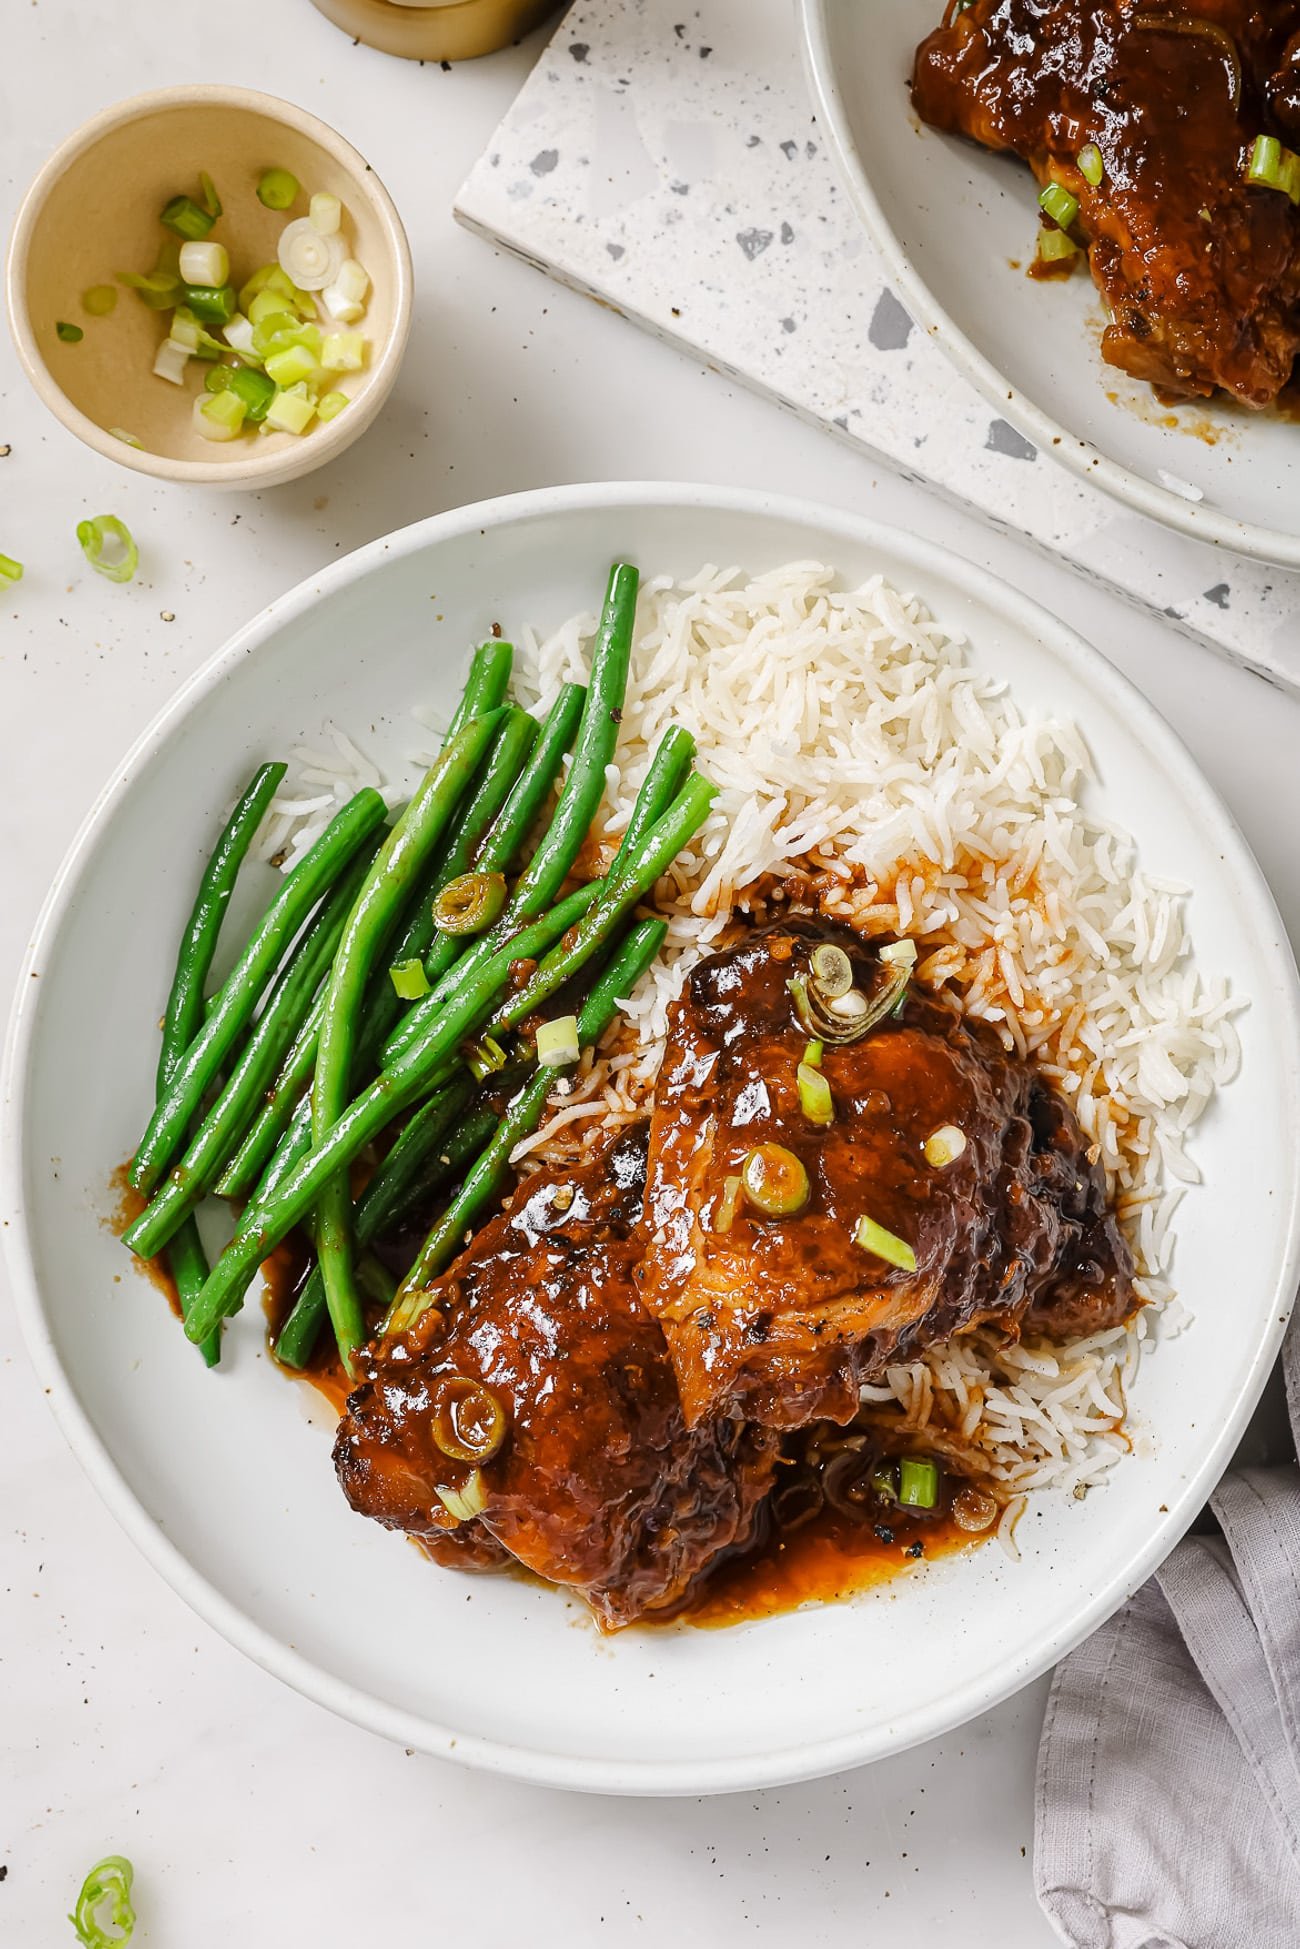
column 557, row 1042
column 774, row 1181
column 187, row 218
column 918, row 1482
column 291, row 412
column 812, row 1055
column 120, row 561
column 1056, row 246
column 468, row 1423
column 208, row 191
column 409, row 980
column 127, row 439
column 158, row 289
column 325, row 212
column 1091, row 166
column 1057, row 203
column 343, row 352
column 467, row 1502
column 10, row 570
column 728, row 1204
column 214, row 304
column 277, row 189
column 944, row 1146
column 205, row 263
column 70, row 334
column 470, row 903
column 105, row 1902
column 331, row 406
column 484, row 1057
column 883, row 1244
column 311, row 260
column 832, row 970
column 291, row 366
column 815, row 1099
column 171, row 360
column 899, row 954
column 1272, row 166
column 219, row 415
column 99, row 300
column 345, row 298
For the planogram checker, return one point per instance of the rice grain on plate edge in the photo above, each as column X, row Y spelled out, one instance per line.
column 857, row 752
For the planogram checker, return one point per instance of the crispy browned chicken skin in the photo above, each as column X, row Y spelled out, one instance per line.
column 600, row 1486
column 1200, row 270
column 783, row 1319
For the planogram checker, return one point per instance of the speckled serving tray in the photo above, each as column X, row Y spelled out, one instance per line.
column 665, row 159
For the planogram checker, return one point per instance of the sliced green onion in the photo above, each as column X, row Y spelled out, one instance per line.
column 409, row 980
column 219, row 415
column 345, row 298
column 108, row 1883
column 158, row 289
column 468, row 1423
column 312, row 261
column 1055, row 246
column 325, row 213
column 99, row 300
column 344, row 351
column 470, row 903
column 728, row 1204
column 205, row 264
column 832, row 970
column 944, row 1145
column 557, row 1042
column 123, row 556
column 127, row 439
column 208, row 191
column 270, row 320
column 171, row 360
column 1091, row 166
column 291, row 412
column 277, row 189
column 885, row 1483
column 187, row 218
column 775, row 1181
column 186, row 330
column 238, row 335
column 899, row 954
column 815, row 1099
column 70, row 334
column 467, row 1502
column 254, row 388
column 331, row 406
column 484, row 1057
column 214, row 304
column 1057, row 203
column 884, row 1245
column 845, row 1018
column 271, row 278
column 291, row 366
column 10, row 570
column 1274, row 167
column 813, row 1052
column 918, row 1482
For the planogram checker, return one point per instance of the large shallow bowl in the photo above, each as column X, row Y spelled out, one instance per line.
column 956, row 227
column 224, row 1480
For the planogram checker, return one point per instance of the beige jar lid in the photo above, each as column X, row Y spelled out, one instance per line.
column 437, row 30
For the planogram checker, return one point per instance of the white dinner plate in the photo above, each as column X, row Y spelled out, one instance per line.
column 224, row 1479
column 956, row 226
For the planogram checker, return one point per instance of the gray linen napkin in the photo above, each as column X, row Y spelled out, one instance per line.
column 1168, row 1791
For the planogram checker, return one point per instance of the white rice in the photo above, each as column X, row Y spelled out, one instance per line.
column 853, row 742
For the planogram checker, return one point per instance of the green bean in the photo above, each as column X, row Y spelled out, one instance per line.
column 485, row 686
column 660, row 786
column 501, row 847
column 266, row 1221
column 394, row 1182
column 224, row 1123
column 236, row 1000
column 626, row 884
column 401, row 859
column 268, row 1127
column 183, row 1016
column 491, row 1172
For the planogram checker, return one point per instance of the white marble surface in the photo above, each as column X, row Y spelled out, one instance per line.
column 252, row 1816
column 667, row 160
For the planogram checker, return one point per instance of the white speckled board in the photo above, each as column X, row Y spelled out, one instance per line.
column 665, row 159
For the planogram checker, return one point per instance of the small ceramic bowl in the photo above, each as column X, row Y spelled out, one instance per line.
column 93, row 211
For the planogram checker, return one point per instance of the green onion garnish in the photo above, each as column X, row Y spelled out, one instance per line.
column 1055, row 246
column 557, row 1042
column 99, row 300
column 219, row 415
column 408, row 978
column 70, row 334
column 292, row 365
column 1273, row 167
column 331, row 406
column 277, row 189
column 484, row 1057
column 213, row 304
column 158, row 289
column 885, row 1483
column 208, row 191
column 728, row 1205
column 1057, row 203
column 127, row 439
column 918, row 1483
column 815, row 1099
column 884, row 1245
column 187, row 218
column 775, row 1181
column 109, row 1882
column 812, row 1054
column 10, row 570
column 123, row 556
column 1091, row 165
column 257, row 392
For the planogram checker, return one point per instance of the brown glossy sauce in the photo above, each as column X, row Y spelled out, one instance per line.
column 128, row 1203
column 830, row 1559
